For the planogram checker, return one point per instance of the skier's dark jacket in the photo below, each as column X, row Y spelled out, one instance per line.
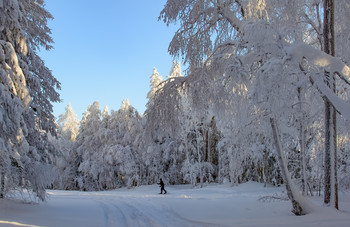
column 161, row 183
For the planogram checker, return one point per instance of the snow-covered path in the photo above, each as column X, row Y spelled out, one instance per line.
column 214, row 205
column 132, row 213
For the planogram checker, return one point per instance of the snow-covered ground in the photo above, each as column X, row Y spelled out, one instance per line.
column 248, row 204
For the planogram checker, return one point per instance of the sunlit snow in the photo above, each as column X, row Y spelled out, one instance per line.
column 249, row 204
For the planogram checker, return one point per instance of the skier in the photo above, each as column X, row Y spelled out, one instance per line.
column 161, row 185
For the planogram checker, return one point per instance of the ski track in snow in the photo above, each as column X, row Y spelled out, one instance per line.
column 112, row 215
column 118, row 212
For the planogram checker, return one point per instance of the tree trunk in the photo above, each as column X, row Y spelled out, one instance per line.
column 2, row 185
column 265, row 166
column 303, row 158
column 219, row 166
column 330, row 161
column 290, row 187
column 209, row 147
column 200, row 162
column 327, row 155
column 302, row 143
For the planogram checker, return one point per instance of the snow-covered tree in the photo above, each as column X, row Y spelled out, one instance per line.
column 238, row 43
column 130, row 128
column 108, row 148
column 88, row 148
column 156, row 80
column 175, row 70
column 64, row 142
column 68, row 124
column 27, row 90
column 64, row 163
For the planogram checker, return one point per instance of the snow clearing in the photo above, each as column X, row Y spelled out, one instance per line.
column 249, row 204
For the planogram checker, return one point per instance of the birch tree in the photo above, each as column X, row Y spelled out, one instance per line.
column 254, row 33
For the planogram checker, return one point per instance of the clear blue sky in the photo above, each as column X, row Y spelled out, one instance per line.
column 105, row 51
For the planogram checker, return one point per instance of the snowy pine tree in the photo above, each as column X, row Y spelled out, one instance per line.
column 175, row 71
column 68, row 124
column 156, row 80
column 27, row 90
column 88, row 148
column 64, row 142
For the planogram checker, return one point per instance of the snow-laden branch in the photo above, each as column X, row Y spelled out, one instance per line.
column 340, row 105
column 318, row 58
column 314, row 57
